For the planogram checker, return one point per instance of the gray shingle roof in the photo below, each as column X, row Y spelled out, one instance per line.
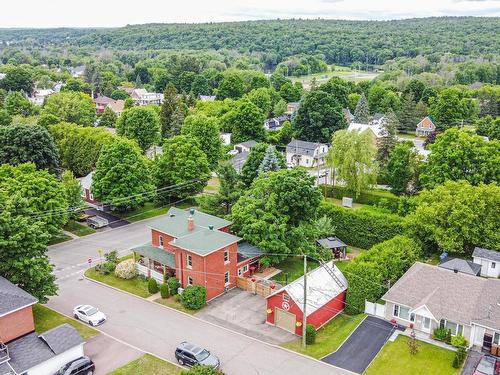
column 247, row 251
column 486, row 254
column 62, row 338
column 12, row 297
column 331, row 242
column 461, row 265
column 239, row 160
column 5, row 369
column 459, row 297
column 248, row 144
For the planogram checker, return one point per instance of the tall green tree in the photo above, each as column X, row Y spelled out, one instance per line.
column 18, row 78
column 20, row 144
column 353, row 156
column 451, row 108
column 403, row 169
column 232, row 86
column 270, row 161
column 172, row 112
column 408, row 117
column 250, row 170
column 108, row 118
column 362, row 111
column 74, row 107
column 388, row 139
column 245, row 121
column 456, row 217
column 122, row 176
column 23, row 247
column 206, row 130
column 318, row 117
column 140, row 124
column 182, row 170
column 16, row 103
column 73, row 192
column 5, row 118
column 461, row 155
column 261, row 97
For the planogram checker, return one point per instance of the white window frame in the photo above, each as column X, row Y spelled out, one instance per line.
column 396, row 312
column 493, row 265
column 496, row 338
column 189, row 280
column 459, row 327
column 189, row 261
column 245, row 268
column 160, row 240
column 227, row 260
column 91, row 196
column 228, row 278
column 286, row 297
column 240, row 271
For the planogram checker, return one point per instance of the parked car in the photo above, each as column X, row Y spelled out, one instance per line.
column 486, row 366
column 89, row 314
column 80, row 366
column 191, row 355
column 96, row 222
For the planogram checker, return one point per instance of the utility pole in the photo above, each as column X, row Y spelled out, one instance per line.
column 304, row 320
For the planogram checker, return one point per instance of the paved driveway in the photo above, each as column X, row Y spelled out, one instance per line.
column 244, row 312
column 471, row 362
column 362, row 346
column 114, row 221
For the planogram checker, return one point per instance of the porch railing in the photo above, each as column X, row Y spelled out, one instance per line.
column 144, row 270
column 4, row 353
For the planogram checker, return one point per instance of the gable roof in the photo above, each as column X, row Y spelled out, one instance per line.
column 321, row 288
column 331, row 242
column 375, row 129
column 117, row 106
column 239, row 160
column 101, row 99
column 461, row 265
column 298, row 147
column 486, row 254
column 62, row 338
column 459, row 297
column 247, row 144
column 13, row 298
column 86, row 181
column 426, row 121
column 248, row 251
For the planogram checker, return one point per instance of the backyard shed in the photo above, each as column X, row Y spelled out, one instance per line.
column 325, row 298
column 335, row 244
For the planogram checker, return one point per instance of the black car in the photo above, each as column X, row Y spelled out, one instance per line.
column 191, row 355
column 80, row 366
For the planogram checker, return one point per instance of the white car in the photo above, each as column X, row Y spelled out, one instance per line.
column 89, row 314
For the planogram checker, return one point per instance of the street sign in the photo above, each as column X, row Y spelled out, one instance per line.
column 89, row 261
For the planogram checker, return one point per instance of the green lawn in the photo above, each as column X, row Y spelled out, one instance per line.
column 46, row 319
column 174, row 304
column 335, row 71
column 150, row 209
column 148, row 364
column 338, row 202
column 79, row 229
column 294, row 267
column 329, row 337
column 58, row 238
column 137, row 285
column 395, row 359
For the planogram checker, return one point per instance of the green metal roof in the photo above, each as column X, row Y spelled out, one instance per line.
column 175, row 223
column 204, row 241
column 155, row 253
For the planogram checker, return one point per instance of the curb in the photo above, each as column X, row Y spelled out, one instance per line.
column 217, row 326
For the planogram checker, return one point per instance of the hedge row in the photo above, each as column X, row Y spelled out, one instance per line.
column 372, row 197
column 363, row 227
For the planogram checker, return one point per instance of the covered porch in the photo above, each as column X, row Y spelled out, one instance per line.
column 151, row 261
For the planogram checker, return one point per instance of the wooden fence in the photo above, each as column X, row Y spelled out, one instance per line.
column 261, row 287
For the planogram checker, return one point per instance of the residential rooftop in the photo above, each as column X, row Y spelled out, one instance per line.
column 13, row 298
column 299, row 147
column 460, row 265
column 204, row 241
column 331, row 242
column 486, row 254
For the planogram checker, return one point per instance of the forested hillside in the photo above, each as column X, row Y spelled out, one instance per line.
column 341, row 42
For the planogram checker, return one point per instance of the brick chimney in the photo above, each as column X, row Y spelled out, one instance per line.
column 190, row 223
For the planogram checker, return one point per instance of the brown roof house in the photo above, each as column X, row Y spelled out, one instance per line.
column 427, row 297
column 425, row 127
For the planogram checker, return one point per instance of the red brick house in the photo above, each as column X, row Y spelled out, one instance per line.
column 196, row 248
column 425, row 127
column 22, row 350
column 326, row 291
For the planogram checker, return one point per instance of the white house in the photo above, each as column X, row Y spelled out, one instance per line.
column 489, row 261
column 225, row 138
column 375, row 129
column 39, row 96
column 143, row 97
column 306, row 154
column 245, row 146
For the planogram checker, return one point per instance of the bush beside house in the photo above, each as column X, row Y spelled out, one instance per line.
column 126, row 269
column 152, row 286
column 194, row 297
column 164, row 291
column 173, row 285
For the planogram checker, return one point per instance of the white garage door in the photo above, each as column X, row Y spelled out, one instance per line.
column 285, row 320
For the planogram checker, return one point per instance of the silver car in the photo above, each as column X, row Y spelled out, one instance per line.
column 191, row 355
column 89, row 314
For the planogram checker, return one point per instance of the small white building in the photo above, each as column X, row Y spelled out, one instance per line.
column 489, row 261
column 375, row 129
column 142, row 97
column 245, row 146
column 39, row 95
column 225, row 138
column 306, row 154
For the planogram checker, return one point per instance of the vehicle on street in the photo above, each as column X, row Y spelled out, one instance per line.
column 97, row 222
column 79, row 366
column 487, row 366
column 89, row 314
column 191, row 355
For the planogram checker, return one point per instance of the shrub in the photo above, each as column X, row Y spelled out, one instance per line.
column 440, row 333
column 456, row 362
column 310, row 334
column 173, row 285
column 126, row 269
column 107, row 268
column 164, row 291
column 364, row 227
column 202, row 370
column 459, row 358
column 111, row 257
column 152, row 286
column 194, row 297
column 459, row 341
column 448, row 337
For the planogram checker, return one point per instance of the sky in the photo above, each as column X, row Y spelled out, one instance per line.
column 115, row 13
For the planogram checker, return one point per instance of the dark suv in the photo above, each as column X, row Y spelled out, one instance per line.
column 191, row 355
column 80, row 366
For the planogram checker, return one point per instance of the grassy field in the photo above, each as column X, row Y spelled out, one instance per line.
column 79, row 229
column 137, row 285
column 335, row 71
column 148, row 364
column 395, row 359
column 174, row 304
column 329, row 338
column 58, row 238
column 294, row 267
column 46, row 319
column 338, row 202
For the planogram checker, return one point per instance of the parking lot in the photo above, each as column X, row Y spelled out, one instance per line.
column 244, row 312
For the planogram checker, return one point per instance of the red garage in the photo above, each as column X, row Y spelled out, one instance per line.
column 326, row 289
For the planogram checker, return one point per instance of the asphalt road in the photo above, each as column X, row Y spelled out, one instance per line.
column 153, row 328
column 357, row 352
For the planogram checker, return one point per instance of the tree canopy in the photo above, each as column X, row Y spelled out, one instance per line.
column 206, row 130
column 140, row 124
column 74, row 107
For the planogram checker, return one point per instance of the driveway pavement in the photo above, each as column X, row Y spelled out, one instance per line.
column 244, row 312
column 153, row 328
column 357, row 352
column 471, row 362
column 109, row 354
column 114, row 221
